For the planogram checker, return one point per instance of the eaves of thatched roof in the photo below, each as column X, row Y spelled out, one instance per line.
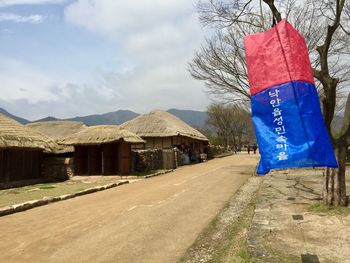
column 16, row 135
column 161, row 124
column 101, row 134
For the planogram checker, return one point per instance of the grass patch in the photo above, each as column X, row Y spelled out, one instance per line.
column 235, row 247
column 275, row 256
column 320, row 208
column 38, row 191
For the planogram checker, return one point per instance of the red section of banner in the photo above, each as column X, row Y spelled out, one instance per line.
column 276, row 56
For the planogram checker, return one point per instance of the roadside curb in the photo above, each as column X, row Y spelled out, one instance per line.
column 223, row 155
column 157, row 174
column 8, row 210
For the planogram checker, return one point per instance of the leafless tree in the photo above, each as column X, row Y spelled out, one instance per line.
column 326, row 28
column 231, row 122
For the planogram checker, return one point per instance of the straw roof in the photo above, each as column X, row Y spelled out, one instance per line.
column 14, row 134
column 161, row 124
column 58, row 129
column 101, row 134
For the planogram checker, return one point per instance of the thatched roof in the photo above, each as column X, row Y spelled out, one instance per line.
column 101, row 134
column 161, row 124
column 14, row 134
column 58, row 129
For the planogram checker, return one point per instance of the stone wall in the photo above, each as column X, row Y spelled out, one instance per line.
column 58, row 168
column 147, row 160
column 152, row 159
column 214, row 150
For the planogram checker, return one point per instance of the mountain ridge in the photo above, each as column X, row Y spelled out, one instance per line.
column 196, row 119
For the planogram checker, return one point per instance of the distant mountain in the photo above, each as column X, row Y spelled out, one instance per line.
column 49, row 118
column 110, row 118
column 196, row 119
column 20, row 120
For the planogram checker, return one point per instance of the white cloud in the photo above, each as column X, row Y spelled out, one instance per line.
column 4, row 3
column 113, row 16
column 158, row 38
column 33, row 93
column 22, row 81
column 33, row 19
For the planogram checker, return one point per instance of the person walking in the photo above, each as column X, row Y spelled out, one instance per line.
column 255, row 147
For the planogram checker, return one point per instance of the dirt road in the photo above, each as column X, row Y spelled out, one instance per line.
column 152, row 220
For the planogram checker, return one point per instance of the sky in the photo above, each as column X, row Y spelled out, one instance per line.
column 67, row 58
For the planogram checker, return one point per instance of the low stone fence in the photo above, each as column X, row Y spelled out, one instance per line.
column 152, row 159
column 58, row 168
column 214, row 150
column 147, row 160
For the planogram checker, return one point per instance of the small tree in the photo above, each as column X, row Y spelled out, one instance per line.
column 325, row 26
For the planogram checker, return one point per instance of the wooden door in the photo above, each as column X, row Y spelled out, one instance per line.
column 95, row 160
column 110, row 158
column 80, row 160
column 124, row 158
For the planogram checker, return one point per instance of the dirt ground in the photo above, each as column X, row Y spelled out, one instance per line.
column 152, row 220
column 290, row 226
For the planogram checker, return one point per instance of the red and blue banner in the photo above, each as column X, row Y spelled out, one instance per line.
column 286, row 111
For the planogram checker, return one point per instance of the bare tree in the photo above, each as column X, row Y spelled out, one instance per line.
column 326, row 28
column 231, row 122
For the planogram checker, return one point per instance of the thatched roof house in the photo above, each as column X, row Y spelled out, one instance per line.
column 163, row 130
column 103, row 149
column 16, row 135
column 58, row 130
column 21, row 150
column 101, row 134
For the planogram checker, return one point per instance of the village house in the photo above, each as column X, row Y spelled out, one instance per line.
column 57, row 130
column 103, row 149
column 162, row 130
column 21, row 152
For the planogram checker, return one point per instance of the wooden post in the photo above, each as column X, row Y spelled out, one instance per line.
column 102, row 160
column 88, row 155
column 6, row 166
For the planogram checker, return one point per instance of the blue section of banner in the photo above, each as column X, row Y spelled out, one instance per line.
column 290, row 129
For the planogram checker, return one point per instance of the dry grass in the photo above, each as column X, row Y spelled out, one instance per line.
column 161, row 124
column 14, row 134
column 57, row 129
column 320, row 208
column 101, row 134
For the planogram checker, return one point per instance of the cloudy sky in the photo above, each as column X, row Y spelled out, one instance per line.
column 76, row 57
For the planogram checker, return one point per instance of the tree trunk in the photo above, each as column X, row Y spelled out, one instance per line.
column 334, row 180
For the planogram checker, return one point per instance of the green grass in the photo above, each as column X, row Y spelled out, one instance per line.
column 320, row 208
column 38, row 191
column 235, row 247
column 276, row 256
